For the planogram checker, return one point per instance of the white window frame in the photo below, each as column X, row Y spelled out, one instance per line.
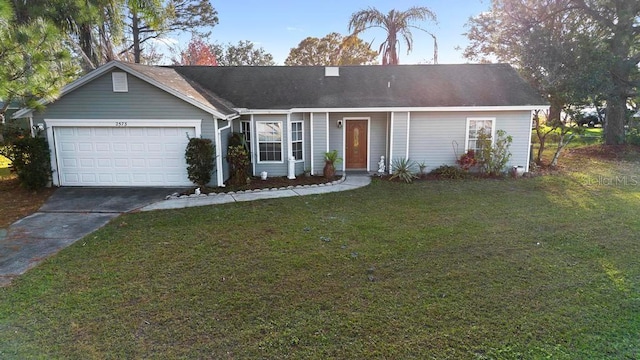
column 469, row 120
column 301, row 141
column 245, row 128
column 258, row 142
column 119, row 81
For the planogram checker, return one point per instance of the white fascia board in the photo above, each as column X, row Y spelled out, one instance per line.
column 426, row 109
column 243, row 111
column 264, row 111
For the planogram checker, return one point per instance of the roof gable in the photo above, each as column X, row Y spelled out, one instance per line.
column 163, row 78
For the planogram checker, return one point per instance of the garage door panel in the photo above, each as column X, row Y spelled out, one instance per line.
column 131, row 156
column 66, row 146
column 87, row 163
column 103, row 146
column 70, row 163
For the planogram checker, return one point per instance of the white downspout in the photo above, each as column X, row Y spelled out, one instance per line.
column 391, row 144
column 312, row 148
column 253, row 146
column 408, row 132
column 218, row 133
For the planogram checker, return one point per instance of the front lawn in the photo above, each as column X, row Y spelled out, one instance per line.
column 540, row 268
column 4, row 167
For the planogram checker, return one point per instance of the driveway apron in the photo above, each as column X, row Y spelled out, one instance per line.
column 67, row 216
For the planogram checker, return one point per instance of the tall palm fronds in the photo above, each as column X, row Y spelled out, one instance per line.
column 397, row 24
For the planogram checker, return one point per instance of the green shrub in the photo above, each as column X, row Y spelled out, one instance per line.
column 633, row 137
column 238, row 158
column 404, row 169
column 238, row 139
column 200, row 154
column 31, row 160
column 449, row 172
column 493, row 159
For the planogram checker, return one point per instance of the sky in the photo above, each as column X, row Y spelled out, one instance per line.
column 279, row 25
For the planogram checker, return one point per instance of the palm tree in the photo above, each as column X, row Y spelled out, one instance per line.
column 395, row 23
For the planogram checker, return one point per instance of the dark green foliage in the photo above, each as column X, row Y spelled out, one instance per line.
column 493, row 158
column 404, row 169
column 449, row 172
column 31, row 161
column 238, row 158
column 237, row 139
column 200, row 154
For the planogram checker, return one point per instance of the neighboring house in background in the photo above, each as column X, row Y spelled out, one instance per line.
column 13, row 107
column 127, row 124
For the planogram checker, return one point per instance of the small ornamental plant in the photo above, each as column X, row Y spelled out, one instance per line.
column 467, row 160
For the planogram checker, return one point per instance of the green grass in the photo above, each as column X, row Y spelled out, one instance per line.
column 584, row 136
column 4, row 166
column 540, row 268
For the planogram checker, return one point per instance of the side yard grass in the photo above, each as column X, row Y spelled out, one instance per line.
column 539, row 268
column 4, row 167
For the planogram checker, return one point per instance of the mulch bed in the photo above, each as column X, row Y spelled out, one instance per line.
column 606, row 152
column 17, row 202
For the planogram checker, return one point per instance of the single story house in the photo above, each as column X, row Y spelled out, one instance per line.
column 128, row 124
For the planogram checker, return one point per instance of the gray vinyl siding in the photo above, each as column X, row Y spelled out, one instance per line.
column 319, row 121
column 307, row 143
column 96, row 100
column 336, row 137
column 438, row 138
column 518, row 125
column 275, row 168
column 377, row 139
column 400, row 125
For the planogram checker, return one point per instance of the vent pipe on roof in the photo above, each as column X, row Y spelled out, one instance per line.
column 331, row 71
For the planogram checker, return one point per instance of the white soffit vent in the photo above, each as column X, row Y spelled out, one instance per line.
column 119, row 81
column 331, row 71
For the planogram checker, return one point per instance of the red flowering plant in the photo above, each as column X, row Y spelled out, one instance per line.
column 467, row 160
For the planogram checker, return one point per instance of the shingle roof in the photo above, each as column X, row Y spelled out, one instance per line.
column 183, row 85
column 285, row 87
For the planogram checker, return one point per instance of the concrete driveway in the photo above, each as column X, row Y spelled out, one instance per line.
column 68, row 215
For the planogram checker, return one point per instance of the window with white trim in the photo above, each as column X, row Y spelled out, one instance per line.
column 296, row 139
column 245, row 129
column 269, row 141
column 474, row 127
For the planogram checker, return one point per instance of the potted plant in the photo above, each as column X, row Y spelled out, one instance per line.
column 330, row 159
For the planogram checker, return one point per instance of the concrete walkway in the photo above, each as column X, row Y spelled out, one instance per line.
column 73, row 213
column 350, row 182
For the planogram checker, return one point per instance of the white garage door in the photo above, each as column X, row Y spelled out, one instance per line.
column 122, row 156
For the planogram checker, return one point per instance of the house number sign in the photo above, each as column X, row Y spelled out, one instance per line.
column 121, row 123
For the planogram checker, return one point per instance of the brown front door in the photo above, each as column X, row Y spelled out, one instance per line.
column 356, row 144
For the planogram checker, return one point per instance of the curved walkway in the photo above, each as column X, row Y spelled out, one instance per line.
column 73, row 213
column 350, row 182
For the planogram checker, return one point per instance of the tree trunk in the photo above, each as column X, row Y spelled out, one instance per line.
column 614, row 121
column 135, row 31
